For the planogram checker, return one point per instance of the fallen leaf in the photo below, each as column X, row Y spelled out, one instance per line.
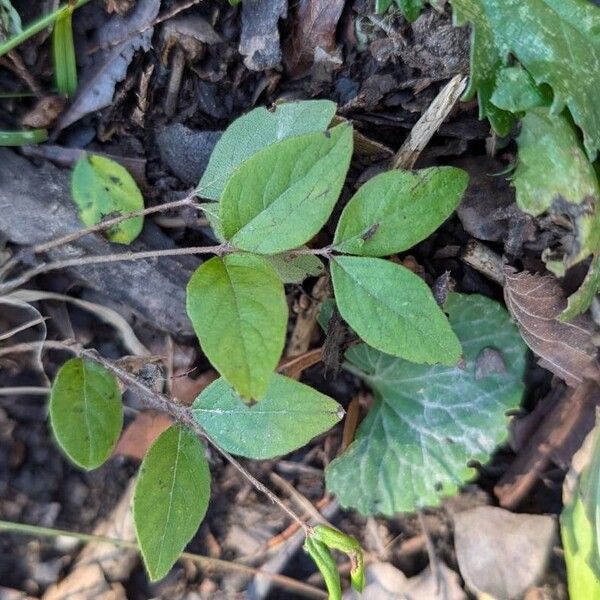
column 314, row 27
column 141, row 433
column 186, row 389
column 501, row 553
column 44, row 113
column 117, row 40
column 259, row 39
column 565, row 349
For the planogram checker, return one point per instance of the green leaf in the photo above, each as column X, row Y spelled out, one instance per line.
column 23, row 137
column 257, row 130
column 411, row 9
column 578, row 542
column 10, row 19
column 393, row 310
column 516, row 91
column 557, row 42
column 288, row 417
column 211, row 212
column 429, row 422
column 395, row 210
column 238, row 309
column 171, row 497
column 282, row 196
column 63, row 52
column 295, row 268
column 580, row 300
column 101, row 189
column 86, row 413
column 553, row 175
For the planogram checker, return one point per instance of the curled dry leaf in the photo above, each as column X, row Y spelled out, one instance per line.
column 314, row 27
column 565, row 349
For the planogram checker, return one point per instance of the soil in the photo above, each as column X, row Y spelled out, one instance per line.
column 383, row 72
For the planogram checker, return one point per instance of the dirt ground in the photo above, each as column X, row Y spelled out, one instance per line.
column 197, row 71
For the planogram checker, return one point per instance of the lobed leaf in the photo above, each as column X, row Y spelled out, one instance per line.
column 86, row 413
column 257, row 130
column 171, row 496
column 102, row 188
column 553, row 175
column 394, row 211
column 555, row 40
column 282, row 196
column 393, row 310
column 238, row 309
column 288, row 416
column 428, row 423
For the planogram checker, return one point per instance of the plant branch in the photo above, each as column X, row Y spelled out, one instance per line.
column 108, row 258
column 205, row 561
column 160, row 402
column 103, row 225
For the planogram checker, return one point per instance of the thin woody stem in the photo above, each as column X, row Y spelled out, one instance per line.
column 75, row 235
column 160, row 402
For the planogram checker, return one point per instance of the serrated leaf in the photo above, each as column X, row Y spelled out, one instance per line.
column 429, row 422
column 102, row 188
column 553, row 175
column 257, row 130
column 393, row 310
column 238, row 309
column 283, row 195
column 63, row 55
column 295, row 268
column 288, row 416
column 555, row 40
column 394, row 211
column 171, row 497
column 86, row 413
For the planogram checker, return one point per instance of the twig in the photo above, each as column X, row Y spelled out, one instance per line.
column 12, row 284
column 75, row 235
column 157, row 401
column 429, row 123
column 484, row 260
column 205, row 561
column 24, row 391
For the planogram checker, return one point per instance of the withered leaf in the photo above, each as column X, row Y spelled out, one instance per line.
column 315, row 26
column 564, row 348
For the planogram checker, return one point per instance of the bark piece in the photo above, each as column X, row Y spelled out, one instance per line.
column 35, row 207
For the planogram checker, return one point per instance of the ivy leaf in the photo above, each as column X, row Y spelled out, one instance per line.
column 288, row 417
column 516, row 91
column 393, row 310
column 238, row 309
column 101, row 189
column 295, row 268
column 555, row 40
column 282, row 196
column 171, row 497
column 395, row 210
column 553, row 175
column 256, row 130
column 86, row 413
column 429, row 422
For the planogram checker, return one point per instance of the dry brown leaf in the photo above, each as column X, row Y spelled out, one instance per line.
column 564, row 348
column 186, row 390
column 141, row 433
column 314, row 27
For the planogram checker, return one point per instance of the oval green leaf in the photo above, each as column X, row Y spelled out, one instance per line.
column 393, row 310
column 86, row 413
column 395, row 210
column 295, row 268
column 282, row 196
column 102, row 189
column 238, row 309
column 428, row 423
column 257, row 130
column 171, row 497
column 288, row 417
